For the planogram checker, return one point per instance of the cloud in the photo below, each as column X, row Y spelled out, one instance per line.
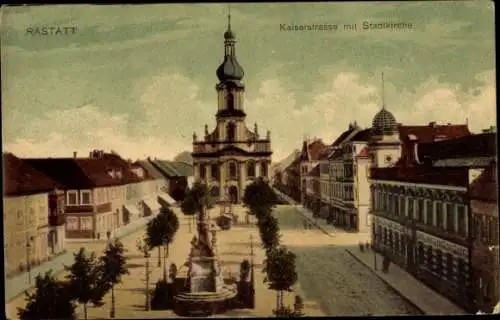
column 446, row 103
column 172, row 109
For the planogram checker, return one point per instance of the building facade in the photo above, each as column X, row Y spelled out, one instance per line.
column 33, row 222
column 421, row 214
column 485, row 225
column 231, row 156
column 308, row 159
column 95, row 190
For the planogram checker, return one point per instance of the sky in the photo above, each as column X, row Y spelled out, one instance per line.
column 140, row 79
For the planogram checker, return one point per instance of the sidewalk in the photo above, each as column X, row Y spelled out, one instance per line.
column 414, row 291
column 318, row 222
column 18, row 284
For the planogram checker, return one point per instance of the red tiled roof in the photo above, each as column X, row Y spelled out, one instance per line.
column 364, row 152
column 81, row 173
column 423, row 174
column 410, row 135
column 312, row 150
column 21, row 179
column 485, row 187
column 470, row 146
column 430, row 133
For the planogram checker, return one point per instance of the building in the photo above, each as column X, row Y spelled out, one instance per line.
column 277, row 169
column 95, row 190
column 477, row 153
column 312, row 197
column 33, row 217
column 420, row 204
column 161, row 182
column 291, row 180
column 180, row 176
column 231, row 156
column 348, row 166
column 308, row 159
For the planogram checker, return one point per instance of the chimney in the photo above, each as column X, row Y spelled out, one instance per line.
column 74, row 154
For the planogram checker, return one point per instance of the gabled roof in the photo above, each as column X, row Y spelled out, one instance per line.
column 311, row 151
column 363, row 135
column 22, row 179
column 345, row 134
column 173, row 169
column 151, row 169
column 485, row 187
column 63, row 170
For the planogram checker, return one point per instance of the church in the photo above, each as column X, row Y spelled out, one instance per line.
column 231, row 156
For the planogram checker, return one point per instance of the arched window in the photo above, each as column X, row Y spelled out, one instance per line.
column 263, row 169
column 230, row 101
column 232, row 171
column 250, row 169
column 231, row 131
column 214, row 170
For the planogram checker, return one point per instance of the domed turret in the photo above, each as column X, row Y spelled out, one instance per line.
column 384, row 121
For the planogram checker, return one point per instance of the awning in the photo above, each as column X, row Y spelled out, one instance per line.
column 152, row 204
column 165, row 197
column 132, row 209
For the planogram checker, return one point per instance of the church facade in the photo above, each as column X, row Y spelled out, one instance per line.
column 231, row 156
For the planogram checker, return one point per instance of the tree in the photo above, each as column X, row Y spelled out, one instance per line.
column 188, row 207
column 259, row 194
column 154, row 235
column 84, row 275
column 171, row 227
column 279, row 267
column 269, row 232
column 50, row 300
column 113, row 267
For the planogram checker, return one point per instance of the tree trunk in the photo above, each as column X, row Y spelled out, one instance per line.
column 159, row 256
column 85, row 311
column 277, row 300
column 112, row 312
column 165, row 263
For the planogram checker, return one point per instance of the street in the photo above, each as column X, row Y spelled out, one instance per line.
column 331, row 282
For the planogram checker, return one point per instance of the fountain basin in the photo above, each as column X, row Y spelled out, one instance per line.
column 204, row 303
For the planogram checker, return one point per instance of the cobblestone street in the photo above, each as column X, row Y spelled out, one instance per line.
column 329, row 275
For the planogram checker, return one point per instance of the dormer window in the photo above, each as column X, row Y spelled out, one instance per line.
column 119, row 174
column 111, row 173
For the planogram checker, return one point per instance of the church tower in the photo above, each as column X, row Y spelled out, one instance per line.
column 384, row 145
column 231, row 156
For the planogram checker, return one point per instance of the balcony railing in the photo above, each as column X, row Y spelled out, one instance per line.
column 252, row 146
column 105, row 207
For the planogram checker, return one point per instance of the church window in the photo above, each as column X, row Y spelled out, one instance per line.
column 420, row 210
column 232, row 170
column 214, row 170
column 263, row 169
column 231, row 131
column 203, row 171
column 251, row 169
column 230, row 101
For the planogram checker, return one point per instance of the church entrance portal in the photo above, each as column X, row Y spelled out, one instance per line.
column 233, row 194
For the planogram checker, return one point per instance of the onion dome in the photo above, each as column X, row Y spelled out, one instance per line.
column 230, row 69
column 384, row 121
